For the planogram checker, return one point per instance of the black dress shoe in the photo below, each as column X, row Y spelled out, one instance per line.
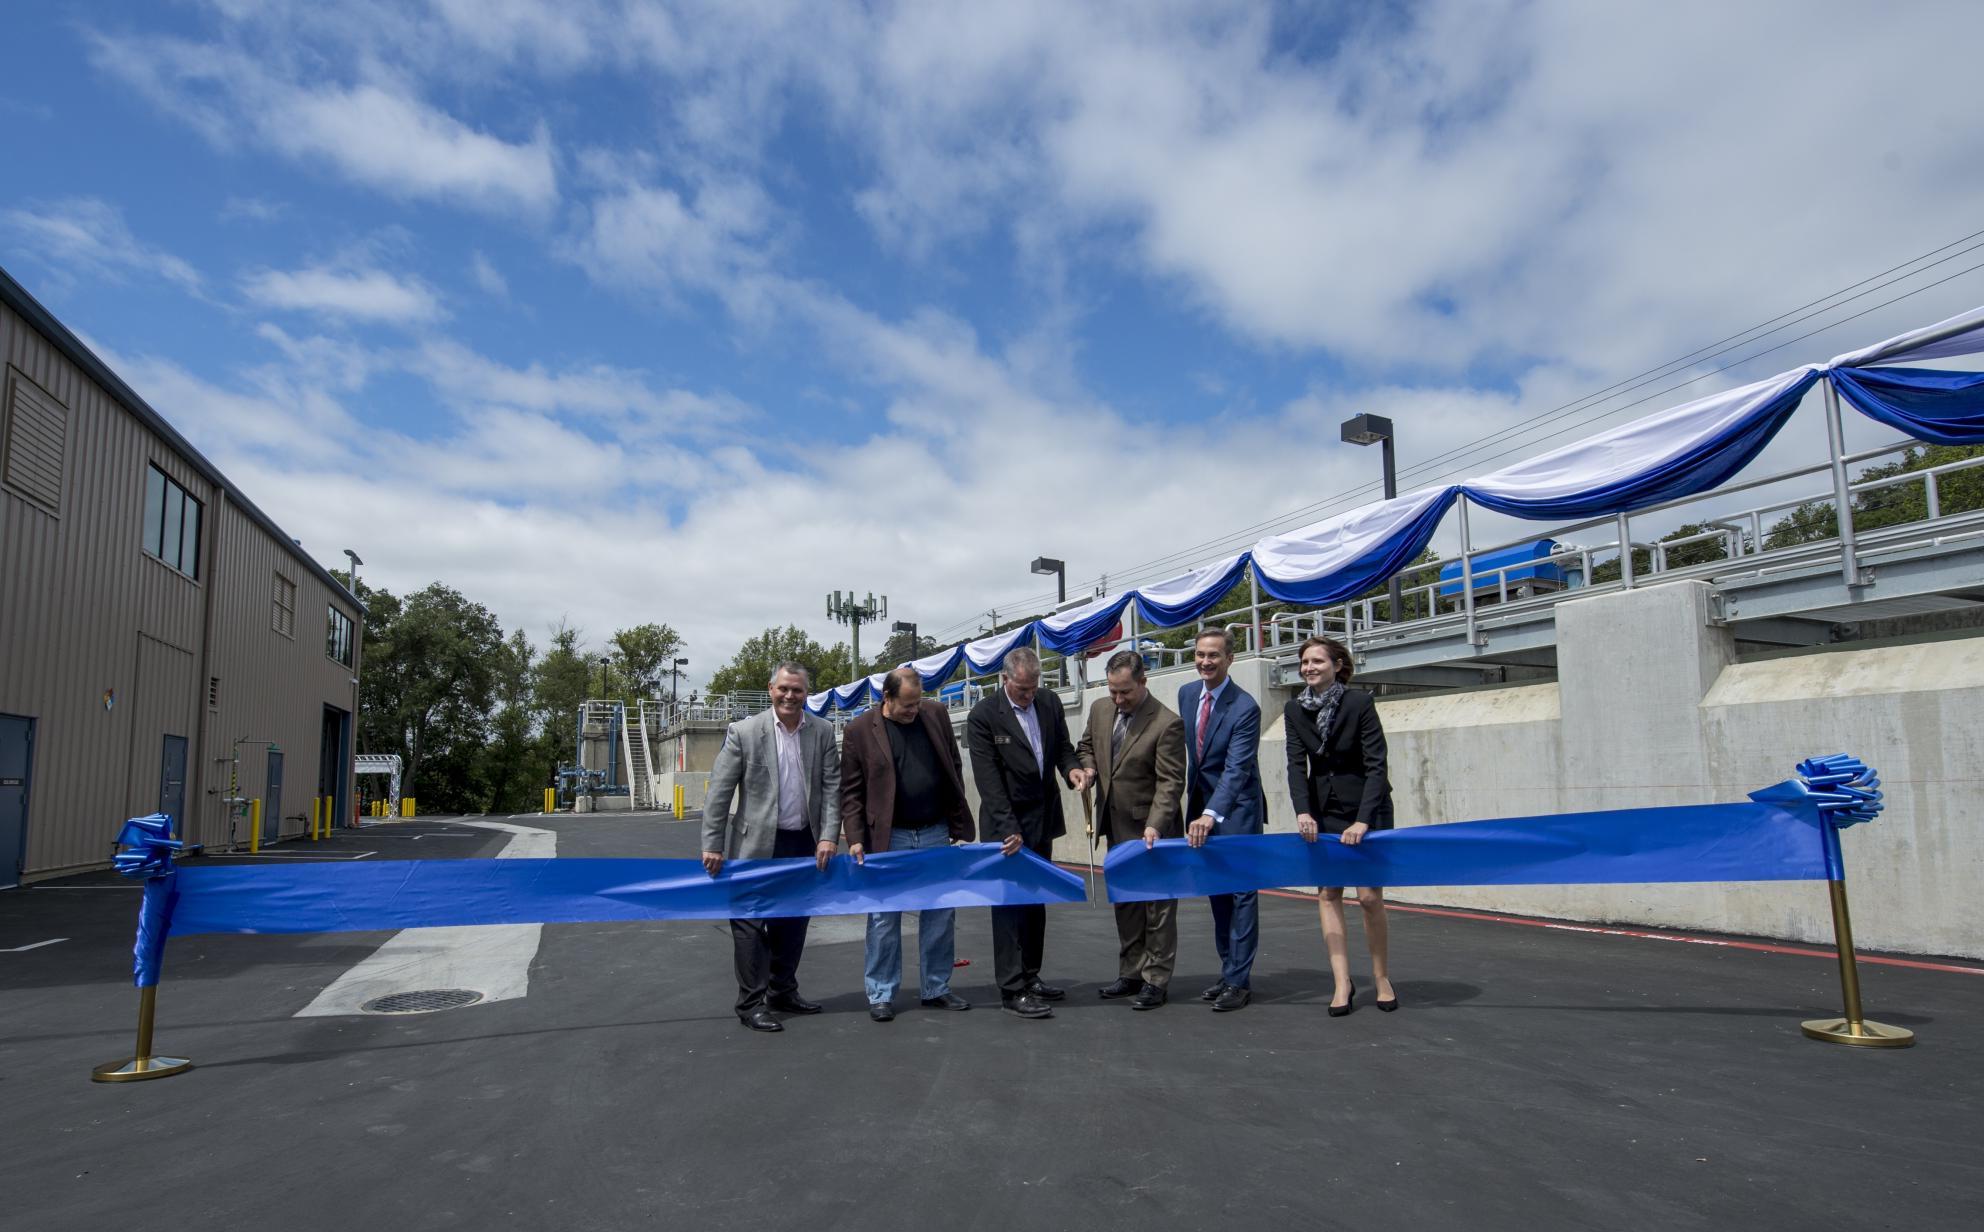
column 1387, row 1006
column 1349, row 1002
column 1026, row 1005
column 1231, row 999
column 760, row 1020
column 793, row 1003
column 1046, row 992
column 1122, row 986
column 881, row 1011
column 1212, row 993
column 1150, row 998
column 949, row 1001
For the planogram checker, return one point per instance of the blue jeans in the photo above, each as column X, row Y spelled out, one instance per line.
column 936, row 933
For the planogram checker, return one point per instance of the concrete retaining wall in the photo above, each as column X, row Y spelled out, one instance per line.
column 1651, row 708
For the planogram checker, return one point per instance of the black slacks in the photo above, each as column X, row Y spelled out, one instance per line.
column 768, row 951
column 1019, row 936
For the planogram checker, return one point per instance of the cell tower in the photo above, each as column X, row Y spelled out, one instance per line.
column 854, row 613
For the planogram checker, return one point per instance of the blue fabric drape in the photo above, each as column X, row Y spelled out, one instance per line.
column 1184, row 599
column 1944, row 407
column 1348, row 578
column 1777, row 840
column 1085, row 628
column 1686, row 458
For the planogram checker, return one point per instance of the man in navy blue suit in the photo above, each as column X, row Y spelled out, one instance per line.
column 1223, row 796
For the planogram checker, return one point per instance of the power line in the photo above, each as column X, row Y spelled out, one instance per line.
column 1460, row 454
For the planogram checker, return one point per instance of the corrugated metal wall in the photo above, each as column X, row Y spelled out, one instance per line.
column 78, row 596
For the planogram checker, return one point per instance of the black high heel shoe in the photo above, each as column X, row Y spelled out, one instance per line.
column 1387, row 1006
column 1338, row 1011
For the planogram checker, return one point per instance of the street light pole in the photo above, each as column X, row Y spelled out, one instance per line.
column 909, row 627
column 605, row 690
column 1044, row 565
column 1372, row 430
column 674, row 671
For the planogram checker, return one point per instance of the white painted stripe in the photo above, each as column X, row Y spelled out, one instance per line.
column 22, row 949
column 493, row 959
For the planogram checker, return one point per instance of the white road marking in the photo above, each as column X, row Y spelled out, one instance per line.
column 493, row 959
column 22, row 949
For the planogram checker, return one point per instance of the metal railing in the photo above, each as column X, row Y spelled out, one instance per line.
column 1448, row 606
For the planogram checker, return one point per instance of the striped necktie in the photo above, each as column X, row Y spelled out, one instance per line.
column 1205, row 717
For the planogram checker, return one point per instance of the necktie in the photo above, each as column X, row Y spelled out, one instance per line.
column 1205, row 715
column 1116, row 737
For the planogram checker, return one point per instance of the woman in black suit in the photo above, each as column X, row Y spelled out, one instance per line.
column 1337, row 781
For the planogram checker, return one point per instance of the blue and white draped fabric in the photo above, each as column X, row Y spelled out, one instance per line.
column 1962, row 334
column 988, row 654
column 935, row 669
column 1678, row 452
column 1337, row 558
column 1185, row 598
column 1946, row 408
column 818, row 703
column 1074, row 631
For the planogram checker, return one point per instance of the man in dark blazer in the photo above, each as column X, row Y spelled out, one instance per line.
column 1224, row 796
column 902, row 788
column 1018, row 748
column 1133, row 749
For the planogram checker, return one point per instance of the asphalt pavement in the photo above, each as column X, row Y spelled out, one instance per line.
column 1533, row 1078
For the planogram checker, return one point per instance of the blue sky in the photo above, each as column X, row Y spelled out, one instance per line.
column 616, row 311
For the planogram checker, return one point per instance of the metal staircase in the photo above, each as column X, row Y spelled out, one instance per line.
column 640, row 771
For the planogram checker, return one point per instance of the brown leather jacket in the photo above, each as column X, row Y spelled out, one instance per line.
column 868, row 777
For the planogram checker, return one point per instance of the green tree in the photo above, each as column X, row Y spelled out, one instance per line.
column 641, row 658
column 898, row 649
column 513, row 764
column 1700, row 552
column 752, row 666
column 434, row 671
column 1889, row 506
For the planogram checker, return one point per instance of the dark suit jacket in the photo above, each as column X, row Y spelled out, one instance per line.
column 868, row 777
column 1139, row 786
column 1348, row 779
column 1014, row 797
column 1226, row 780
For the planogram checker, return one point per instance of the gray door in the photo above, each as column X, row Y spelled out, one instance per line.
column 16, row 769
column 272, row 802
column 172, row 783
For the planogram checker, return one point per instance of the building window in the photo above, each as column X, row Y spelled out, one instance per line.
column 283, row 616
column 337, row 641
column 172, row 523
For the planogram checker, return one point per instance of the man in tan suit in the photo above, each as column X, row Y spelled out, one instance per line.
column 1134, row 752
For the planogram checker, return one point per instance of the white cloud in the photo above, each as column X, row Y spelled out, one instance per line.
column 363, row 294
column 487, row 277
column 251, row 209
column 374, row 132
column 89, row 235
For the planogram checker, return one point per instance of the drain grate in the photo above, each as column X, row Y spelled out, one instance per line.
column 426, row 1001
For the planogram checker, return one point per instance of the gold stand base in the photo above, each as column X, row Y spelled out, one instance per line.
column 1863, row 1034
column 137, row 1069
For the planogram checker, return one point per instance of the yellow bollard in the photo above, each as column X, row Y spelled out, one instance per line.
column 254, row 825
column 406, row 806
column 550, row 800
column 681, row 800
column 316, row 815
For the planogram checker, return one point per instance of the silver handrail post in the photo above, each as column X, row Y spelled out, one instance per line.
column 1254, row 637
column 1467, row 574
column 1625, row 552
column 1842, row 492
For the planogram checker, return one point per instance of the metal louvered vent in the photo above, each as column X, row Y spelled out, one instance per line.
column 426, row 1001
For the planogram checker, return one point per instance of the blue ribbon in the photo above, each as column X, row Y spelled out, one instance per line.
column 1774, row 839
column 148, row 846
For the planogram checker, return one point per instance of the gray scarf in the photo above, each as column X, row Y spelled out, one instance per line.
column 1323, row 705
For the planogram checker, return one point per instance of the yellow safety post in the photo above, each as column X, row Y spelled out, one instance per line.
column 406, row 806
column 681, row 800
column 550, row 799
column 254, row 825
column 316, row 815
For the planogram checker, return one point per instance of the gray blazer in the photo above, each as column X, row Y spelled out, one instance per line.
column 747, row 768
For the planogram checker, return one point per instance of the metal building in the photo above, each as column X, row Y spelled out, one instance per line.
column 164, row 646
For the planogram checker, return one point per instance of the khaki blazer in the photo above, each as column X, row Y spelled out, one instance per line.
column 1143, row 785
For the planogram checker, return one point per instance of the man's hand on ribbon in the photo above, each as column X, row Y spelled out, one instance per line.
column 1150, row 837
column 712, row 862
column 1009, row 845
column 1080, row 777
column 855, row 850
column 823, row 853
column 1197, row 833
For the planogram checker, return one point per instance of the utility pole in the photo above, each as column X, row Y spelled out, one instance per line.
column 854, row 613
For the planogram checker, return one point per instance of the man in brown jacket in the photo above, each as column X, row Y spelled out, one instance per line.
column 1134, row 751
column 902, row 787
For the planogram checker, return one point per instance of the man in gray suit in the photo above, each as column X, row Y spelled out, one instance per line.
column 784, row 769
